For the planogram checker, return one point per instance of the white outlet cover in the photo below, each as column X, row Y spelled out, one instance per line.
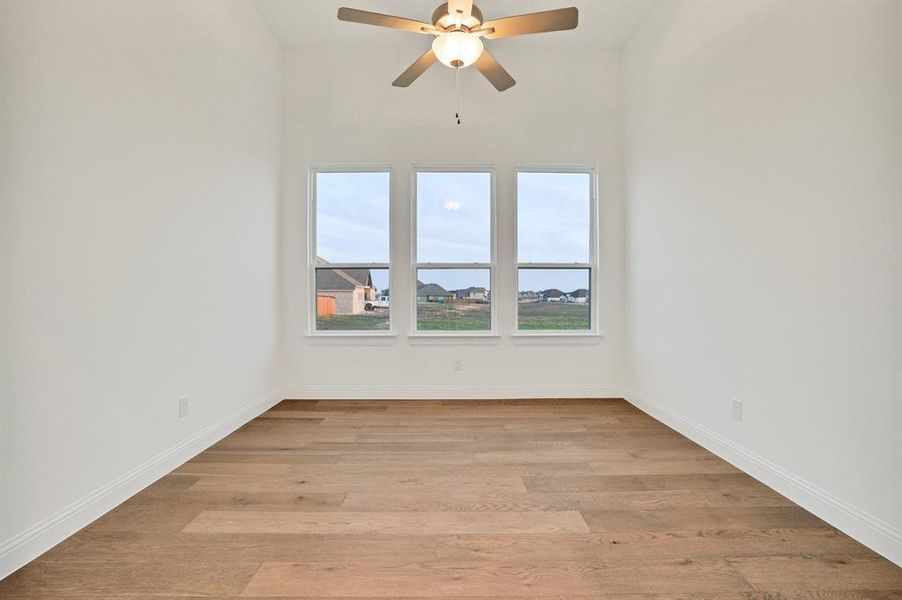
column 737, row 409
column 183, row 406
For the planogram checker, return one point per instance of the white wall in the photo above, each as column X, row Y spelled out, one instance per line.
column 140, row 258
column 139, row 184
column 340, row 107
column 764, row 169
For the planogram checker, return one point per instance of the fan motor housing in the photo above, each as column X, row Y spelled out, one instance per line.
column 442, row 19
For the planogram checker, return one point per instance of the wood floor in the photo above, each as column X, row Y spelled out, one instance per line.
column 515, row 499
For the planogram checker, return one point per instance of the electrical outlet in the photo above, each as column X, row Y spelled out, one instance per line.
column 737, row 409
column 183, row 406
column 457, row 364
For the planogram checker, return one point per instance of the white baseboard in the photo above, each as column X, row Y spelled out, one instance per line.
column 34, row 541
column 876, row 534
column 867, row 529
column 447, row 392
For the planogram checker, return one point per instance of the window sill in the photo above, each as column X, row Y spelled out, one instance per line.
column 357, row 338
column 453, row 337
column 567, row 338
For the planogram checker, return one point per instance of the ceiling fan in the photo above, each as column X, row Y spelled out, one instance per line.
column 458, row 27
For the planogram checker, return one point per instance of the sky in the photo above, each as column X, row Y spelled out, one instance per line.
column 454, row 217
column 380, row 279
column 454, row 224
column 352, row 217
column 553, row 217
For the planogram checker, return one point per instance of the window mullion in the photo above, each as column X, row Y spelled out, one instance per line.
column 552, row 265
column 352, row 266
column 454, row 265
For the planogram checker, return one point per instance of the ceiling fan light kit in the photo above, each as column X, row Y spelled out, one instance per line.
column 458, row 27
column 457, row 49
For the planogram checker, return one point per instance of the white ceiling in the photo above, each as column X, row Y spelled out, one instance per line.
column 602, row 23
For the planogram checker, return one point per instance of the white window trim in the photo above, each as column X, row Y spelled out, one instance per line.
column 595, row 331
column 489, row 334
column 312, row 265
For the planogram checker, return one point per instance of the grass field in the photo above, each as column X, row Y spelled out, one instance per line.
column 435, row 316
column 457, row 316
column 368, row 321
column 547, row 315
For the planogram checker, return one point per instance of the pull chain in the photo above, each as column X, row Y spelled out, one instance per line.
column 457, row 89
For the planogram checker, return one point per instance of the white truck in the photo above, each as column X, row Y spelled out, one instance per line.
column 380, row 302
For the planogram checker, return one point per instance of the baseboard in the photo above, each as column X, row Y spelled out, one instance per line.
column 874, row 533
column 446, row 392
column 871, row 531
column 31, row 543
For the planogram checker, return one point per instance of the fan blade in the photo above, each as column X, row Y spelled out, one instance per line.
column 464, row 7
column 370, row 18
column 494, row 72
column 540, row 22
column 418, row 67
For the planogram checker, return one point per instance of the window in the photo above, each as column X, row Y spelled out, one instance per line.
column 454, row 250
column 349, row 250
column 556, row 239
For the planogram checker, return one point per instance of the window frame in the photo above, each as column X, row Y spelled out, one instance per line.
column 313, row 265
column 595, row 329
column 492, row 265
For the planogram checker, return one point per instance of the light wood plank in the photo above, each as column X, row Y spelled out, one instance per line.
column 626, row 547
column 398, row 523
column 290, row 458
column 587, row 502
column 411, row 436
column 460, row 499
column 792, row 573
column 402, row 459
column 733, row 517
column 639, row 466
column 395, row 481
column 94, row 579
column 438, row 580
column 610, row 483
column 134, row 546
column 233, row 468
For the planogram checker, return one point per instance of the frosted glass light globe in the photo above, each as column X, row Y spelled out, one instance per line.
column 457, row 48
